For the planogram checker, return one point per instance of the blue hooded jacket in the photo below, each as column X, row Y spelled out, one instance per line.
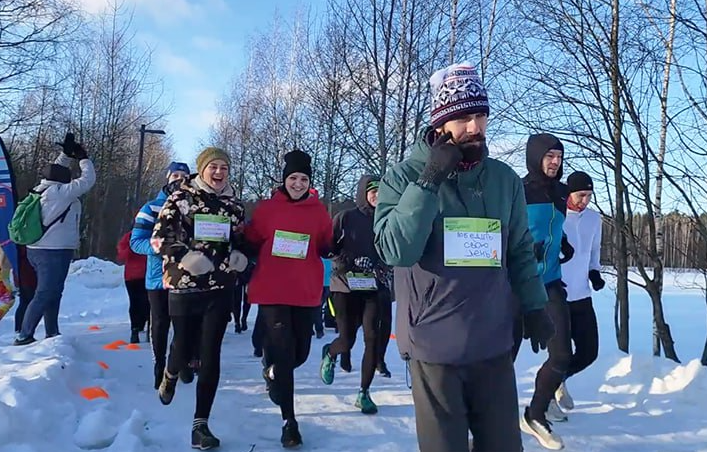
column 547, row 206
column 140, row 239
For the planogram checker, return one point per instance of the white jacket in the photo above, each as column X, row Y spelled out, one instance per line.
column 583, row 230
column 55, row 198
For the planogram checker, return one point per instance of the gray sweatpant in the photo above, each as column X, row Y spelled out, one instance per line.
column 450, row 401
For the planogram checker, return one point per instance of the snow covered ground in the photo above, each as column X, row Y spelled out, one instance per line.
column 624, row 403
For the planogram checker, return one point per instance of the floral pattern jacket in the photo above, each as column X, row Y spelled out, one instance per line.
column 174, row 235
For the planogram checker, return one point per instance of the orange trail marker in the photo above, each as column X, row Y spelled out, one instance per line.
column 94, row 393
column 94, row 327
column 103, row 365
column 115, row 345
column 132, row 347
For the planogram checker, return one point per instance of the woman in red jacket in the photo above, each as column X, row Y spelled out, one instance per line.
column 289, row 232
column 135, row 267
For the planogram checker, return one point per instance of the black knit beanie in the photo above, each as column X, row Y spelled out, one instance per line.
column 579, row 181
column 297, row 162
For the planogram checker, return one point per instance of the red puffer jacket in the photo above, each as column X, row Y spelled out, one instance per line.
column 135, row 264
column 293, row 281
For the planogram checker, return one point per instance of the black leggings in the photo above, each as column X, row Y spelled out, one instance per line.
column 554, row 370
column 241, row 307
column 385, row 322
column 159, row 324
column 585, row 335
column 288, row 339
column 354, row 309
column 139, row 309
column 212, row 326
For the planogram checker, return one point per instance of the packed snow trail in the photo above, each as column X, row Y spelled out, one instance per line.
column 623, row 403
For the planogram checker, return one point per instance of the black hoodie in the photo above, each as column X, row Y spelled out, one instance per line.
column 539, row 188
column 353, row 237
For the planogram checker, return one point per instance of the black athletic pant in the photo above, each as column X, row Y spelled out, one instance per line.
column 288, row 338
column 585, row 335
column 559, row 348
column 159, row 325
column 212, row 322
column 320, row 315
column 385, row 322
column 139, row 309
column 354, row 309
column 452, row 400
column 241, row 307
column 258, row 336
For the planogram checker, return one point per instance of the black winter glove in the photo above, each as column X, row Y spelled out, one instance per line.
column 73, row 149
column 567, row 250
column 597, row 282
column 539, row 250
column 538, row 327
column 443, row 158
column 364, row 264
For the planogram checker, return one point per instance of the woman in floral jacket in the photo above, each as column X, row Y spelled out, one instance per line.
column 198, row 234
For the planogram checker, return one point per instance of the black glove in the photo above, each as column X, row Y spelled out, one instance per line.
column 567, row 250
column 66, row 147
column 443, row 158
column 595, row 278
column 73, row 149
column 538, row 327
column 364, row 264
column 539, row 250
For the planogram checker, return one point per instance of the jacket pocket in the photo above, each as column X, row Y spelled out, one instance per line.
column 426, row 302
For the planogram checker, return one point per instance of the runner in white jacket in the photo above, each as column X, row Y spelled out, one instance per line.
column 583, row 230
column 51, row 255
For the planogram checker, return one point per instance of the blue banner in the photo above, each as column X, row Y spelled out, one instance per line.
column 8, row 202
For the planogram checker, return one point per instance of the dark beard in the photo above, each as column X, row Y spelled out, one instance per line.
column 472, row 148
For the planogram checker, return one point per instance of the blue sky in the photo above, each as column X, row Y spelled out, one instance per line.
column 198, row 45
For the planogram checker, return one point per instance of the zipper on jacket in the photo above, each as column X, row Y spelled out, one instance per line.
column 552, row 220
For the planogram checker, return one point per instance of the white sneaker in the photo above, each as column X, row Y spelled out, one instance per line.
column 554, row 413
column 540, row 429
column 563, row 397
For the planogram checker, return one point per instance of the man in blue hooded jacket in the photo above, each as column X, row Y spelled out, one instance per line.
column 157, row 295
column 546, row 198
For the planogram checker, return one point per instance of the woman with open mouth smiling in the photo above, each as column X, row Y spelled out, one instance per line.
column 290, row 233
column 199, row 235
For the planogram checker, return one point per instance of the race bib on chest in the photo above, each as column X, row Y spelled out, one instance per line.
column 472, row 242
column 291, row 245
column 361, row 281
column 212, row 228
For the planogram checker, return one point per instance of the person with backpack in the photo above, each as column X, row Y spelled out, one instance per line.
column 157, row 295
column 56, row 211
column 289, row 233
column 134, row 275
column 199, row 235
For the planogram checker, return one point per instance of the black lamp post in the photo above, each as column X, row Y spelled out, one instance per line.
column 143, row 131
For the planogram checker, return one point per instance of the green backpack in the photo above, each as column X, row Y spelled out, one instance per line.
column 26, row 226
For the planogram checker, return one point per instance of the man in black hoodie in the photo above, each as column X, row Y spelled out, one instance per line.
column 546, row 198
column 356, row 280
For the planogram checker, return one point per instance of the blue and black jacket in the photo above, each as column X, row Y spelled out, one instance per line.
column 547, row 206
column 141, row 235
